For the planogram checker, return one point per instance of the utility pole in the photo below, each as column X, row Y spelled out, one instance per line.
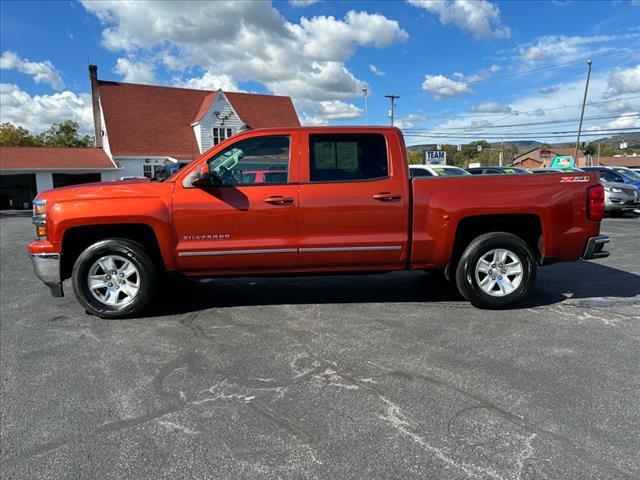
column 392, row 98
column 501, row 156
column 365, row 92
column 584, row 101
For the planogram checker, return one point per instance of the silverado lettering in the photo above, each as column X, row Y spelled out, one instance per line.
column 309, row 201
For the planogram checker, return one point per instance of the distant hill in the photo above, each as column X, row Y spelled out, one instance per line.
column 632, row 139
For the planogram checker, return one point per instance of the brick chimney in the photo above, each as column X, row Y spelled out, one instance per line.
column 95, row 101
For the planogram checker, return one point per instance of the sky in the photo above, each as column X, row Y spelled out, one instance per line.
column 464, row 69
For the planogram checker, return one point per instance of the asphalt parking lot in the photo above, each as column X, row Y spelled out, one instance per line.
column 373, row 377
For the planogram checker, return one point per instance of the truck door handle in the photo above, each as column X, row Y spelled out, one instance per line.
column 278, row 200
column 387, row 196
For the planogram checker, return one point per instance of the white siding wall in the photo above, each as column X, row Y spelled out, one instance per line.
column 132, row 166
column 44, row 181
column 196, row 131
column 222, row 105
column 105, row 139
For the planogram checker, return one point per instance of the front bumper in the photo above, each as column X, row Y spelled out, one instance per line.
column 46, row 266
column 595, row 247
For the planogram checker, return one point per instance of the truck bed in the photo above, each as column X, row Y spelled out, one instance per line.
column 558, row 201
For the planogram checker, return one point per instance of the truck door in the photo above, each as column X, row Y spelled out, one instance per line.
column 248, row 218
column 353, row 200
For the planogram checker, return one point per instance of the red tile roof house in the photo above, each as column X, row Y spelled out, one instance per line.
column 139, row 129
column 145, row 127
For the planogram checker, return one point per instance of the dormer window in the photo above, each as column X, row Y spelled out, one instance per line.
column 219, row 134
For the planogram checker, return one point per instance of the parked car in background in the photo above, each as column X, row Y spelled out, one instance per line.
column 556, row 170
column 617, row 174
column 436, row 171
column 264, row 176
column 497, row 171
column 620, row 198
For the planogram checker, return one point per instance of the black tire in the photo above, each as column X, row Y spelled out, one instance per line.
column 467, row 282
column 133, row 252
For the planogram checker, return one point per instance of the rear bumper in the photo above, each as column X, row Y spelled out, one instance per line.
column 46, row 266
column 595, row 247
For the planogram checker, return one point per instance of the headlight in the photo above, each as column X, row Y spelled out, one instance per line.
column 39, row 207
column 613, row 189
column 40, row 218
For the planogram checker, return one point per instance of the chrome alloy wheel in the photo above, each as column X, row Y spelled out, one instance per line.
column 499, row 272
column 114, row 280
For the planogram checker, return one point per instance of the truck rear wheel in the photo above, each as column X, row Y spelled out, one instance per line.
column 496, row 270
column 114, row 278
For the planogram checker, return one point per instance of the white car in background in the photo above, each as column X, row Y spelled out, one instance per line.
column 416, row 171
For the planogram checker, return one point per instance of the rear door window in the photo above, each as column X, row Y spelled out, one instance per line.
column 347, row 157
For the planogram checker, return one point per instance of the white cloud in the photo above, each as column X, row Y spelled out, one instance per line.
column 41, row 72
column 376, row 71
column 305, row 60
column 328, row 110
column 136, row 72
column 441, row 86
column 494, row 68
column 407, row 122
column 311, row 121
column 626, row 120
column 549, row 89
column 566, row 49
column 623, row 81
column 617, row 106
column 491, row 107
column 37, row 113
column 210, row 81
column 302, row 3
column 479, row 17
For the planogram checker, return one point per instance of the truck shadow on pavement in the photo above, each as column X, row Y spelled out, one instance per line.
column 581, row 280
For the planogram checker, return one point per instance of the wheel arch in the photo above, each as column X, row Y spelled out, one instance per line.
column 526, row 226
column 76, row 239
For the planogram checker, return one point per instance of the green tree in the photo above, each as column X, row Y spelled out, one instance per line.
column 65, row 134
column 415, row 157
column 12, row 136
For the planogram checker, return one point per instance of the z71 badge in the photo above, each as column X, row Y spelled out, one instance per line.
column 580, row 179
column 221, row 236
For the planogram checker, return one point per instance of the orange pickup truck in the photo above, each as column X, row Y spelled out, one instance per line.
column 341, row 201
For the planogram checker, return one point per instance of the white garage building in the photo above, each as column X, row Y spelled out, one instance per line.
column 25, row 171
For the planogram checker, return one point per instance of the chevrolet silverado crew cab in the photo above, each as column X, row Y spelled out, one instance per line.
column 307, row 201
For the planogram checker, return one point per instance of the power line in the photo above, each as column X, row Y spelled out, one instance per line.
column 547, row 122
column 513, row 137
column 596, row 130
column 524, row 112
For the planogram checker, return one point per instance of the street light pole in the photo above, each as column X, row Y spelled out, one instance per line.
column 584, row 101
column 392, row 98
column 365, row 92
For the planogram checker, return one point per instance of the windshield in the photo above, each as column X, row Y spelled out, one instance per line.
column 165, row 173
column 627, row 172
column 449, row 171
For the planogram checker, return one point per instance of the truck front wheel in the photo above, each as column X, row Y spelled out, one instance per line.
column 496, row 270
column 114, row 278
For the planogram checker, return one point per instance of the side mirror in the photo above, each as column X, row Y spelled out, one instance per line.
column 201, row 176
